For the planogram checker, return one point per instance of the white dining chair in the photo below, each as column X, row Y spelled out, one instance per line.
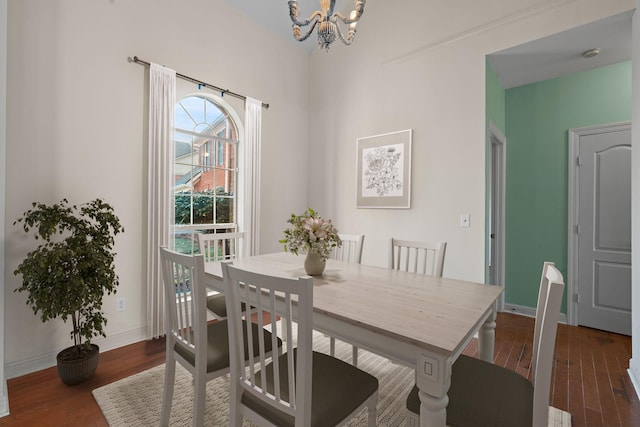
column 417, row 257
column 350, row 251
column 202, row 348
column 482, row 393
column 301, row 387
column 219, row 247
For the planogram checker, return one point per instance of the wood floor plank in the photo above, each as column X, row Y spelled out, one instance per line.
column 605, row 389
column 589, row 380
column 560, row 388
column 575, row 390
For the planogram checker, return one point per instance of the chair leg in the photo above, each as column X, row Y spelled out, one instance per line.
column 371, row 412
column 199, row 399
column 354, row 357
column 332, row 346
column 235, row 396
column 167, row 395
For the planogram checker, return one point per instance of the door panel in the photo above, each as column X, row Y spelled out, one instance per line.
column 604, row 240
column 610, row 290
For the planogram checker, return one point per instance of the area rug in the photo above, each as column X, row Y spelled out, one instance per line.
column 136, row 400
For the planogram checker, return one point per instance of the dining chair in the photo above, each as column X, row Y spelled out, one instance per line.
column 202, row 348
column 219, row 247
column 417, row 257
column 300, row 388
column 482, row 393
column 350, row 251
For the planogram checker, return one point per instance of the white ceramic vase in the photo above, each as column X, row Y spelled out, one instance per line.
column 314, row 264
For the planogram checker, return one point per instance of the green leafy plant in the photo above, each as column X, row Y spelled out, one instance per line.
column 68, row 274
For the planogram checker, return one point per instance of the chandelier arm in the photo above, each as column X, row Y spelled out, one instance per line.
column 296, row 31
column 349, row 39
column 358, row 10
column 293, row 14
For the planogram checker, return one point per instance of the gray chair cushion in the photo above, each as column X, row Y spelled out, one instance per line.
column 338, row 388
column 218, row 345
column 484, row 394
column 217, row 304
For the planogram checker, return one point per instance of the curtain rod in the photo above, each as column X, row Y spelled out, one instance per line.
column 198, row 82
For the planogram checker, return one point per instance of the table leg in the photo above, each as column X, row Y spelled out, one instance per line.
column 433, row 378
column 487, row 336
column 433, row 410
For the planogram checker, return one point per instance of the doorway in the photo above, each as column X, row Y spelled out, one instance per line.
column 599, row 250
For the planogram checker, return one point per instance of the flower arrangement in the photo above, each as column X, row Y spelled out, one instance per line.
column 311, row 233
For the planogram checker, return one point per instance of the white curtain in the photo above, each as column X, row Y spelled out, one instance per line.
column 162, row 100
column 253, row 140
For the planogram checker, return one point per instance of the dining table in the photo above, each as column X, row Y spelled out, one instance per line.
column 416, row 320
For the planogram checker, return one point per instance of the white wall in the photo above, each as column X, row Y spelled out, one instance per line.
column 634, row 363
column 77, row 129
column 422, row 66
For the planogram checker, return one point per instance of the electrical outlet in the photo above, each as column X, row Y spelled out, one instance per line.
column 121, row 304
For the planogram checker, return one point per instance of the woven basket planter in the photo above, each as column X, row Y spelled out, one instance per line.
column 75, row 371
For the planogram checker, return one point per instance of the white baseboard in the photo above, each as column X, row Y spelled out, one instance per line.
column 529, row 311
column 634, row 374
column 47, row 360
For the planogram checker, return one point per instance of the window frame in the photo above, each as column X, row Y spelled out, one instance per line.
column 229, row 112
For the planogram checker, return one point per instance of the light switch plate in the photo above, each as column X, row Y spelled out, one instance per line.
column 465, row 220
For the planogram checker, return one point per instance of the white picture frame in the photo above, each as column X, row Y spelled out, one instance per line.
column 383, row 171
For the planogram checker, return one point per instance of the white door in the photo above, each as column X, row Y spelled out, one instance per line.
column 604, row 229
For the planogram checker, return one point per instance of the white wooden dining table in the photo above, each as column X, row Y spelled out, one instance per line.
column 420, row 321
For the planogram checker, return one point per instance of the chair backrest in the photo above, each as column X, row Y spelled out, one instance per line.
column 220, row 246
column 291, row 298
column 351, row 249
column 185, row 301
column 544, row 339
column 417, row 257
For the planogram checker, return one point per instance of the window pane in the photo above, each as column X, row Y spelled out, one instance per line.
column 182, row 119
column 213, row 113
column 203, row 208
column 183, row 208
column 185, row 242
column 194, row 106
column 224, row 209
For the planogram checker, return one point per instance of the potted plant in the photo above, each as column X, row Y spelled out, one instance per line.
column 67, row 275
column 315, row 235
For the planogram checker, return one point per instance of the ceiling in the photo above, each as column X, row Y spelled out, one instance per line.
column 561, row 54
column 546, row 58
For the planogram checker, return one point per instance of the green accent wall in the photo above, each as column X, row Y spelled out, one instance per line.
column 537, row 120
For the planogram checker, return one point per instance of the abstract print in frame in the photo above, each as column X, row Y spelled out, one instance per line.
column 384, row 171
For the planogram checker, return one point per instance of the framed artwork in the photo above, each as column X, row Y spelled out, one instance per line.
column 383, row 173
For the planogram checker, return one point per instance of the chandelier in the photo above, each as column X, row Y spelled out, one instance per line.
column 327, row 22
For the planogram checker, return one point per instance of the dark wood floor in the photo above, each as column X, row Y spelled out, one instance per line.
column 590, row 378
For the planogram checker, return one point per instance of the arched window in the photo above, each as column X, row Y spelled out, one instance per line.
column 205, row 169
